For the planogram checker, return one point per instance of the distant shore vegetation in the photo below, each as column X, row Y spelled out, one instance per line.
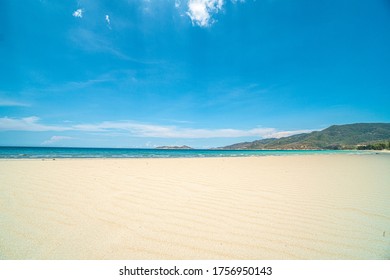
column 375, row 146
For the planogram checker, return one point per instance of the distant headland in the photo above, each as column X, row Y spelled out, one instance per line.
column 358, row 136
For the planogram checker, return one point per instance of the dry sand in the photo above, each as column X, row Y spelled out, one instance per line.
column 282, row 207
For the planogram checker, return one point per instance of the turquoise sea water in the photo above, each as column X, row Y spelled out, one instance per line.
column 46, row 152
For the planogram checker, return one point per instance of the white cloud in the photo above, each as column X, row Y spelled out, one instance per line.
column 135, row 129
column 107, row 18
column 78, row 13
column 160, row 131
column 201, row 11
column 55, row 139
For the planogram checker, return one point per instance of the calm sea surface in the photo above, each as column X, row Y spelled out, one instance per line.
column 46, row 152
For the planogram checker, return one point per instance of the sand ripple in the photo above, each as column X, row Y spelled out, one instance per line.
column 287, row 207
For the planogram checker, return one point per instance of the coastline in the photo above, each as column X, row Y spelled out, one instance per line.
column 266, row 207
column 93, row 153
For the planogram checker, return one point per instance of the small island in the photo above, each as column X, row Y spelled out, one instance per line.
column 184, row 147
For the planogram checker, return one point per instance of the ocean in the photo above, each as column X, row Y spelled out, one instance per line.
column 50, row 152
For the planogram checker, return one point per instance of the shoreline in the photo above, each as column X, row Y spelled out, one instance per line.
column 263, row 207
column 49, row 153
column 288, row 154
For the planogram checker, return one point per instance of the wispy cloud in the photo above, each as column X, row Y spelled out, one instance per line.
column 56, row 139
column 12, row 103
column 78, row 13
column 135, row 129
column 177, row 121
column 90, row 84
column 93, row 42
column 27, row 124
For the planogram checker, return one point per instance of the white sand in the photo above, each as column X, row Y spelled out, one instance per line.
column 286, row 207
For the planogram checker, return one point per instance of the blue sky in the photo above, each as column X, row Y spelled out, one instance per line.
column 204, row 73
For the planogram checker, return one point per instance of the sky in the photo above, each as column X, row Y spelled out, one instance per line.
column 202, row 73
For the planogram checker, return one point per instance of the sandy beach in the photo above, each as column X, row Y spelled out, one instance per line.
column 274, row 207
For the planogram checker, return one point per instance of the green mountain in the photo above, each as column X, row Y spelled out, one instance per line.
column 349, row 136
